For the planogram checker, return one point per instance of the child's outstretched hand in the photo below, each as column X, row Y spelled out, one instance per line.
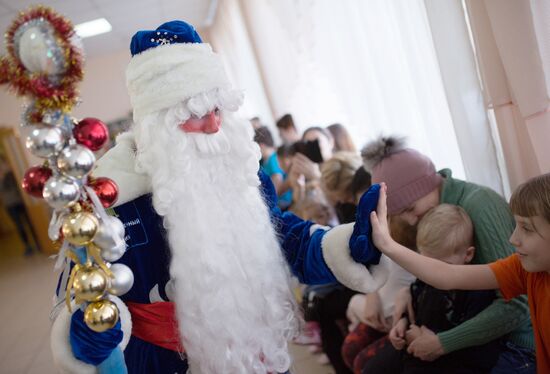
column 379, row 221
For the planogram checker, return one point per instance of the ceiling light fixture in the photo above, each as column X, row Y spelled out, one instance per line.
column 93, row 28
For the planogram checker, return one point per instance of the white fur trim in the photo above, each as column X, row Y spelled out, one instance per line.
column 61, row 347
column 316, row 227
column 118, row 164
column 125, row 321
column 161, row 77
column 354, row 275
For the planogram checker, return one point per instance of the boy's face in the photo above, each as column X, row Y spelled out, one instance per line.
column 531, row 238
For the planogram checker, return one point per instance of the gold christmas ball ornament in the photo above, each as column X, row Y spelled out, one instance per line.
column 101, row 315
column 80, row 228
column 90, row 284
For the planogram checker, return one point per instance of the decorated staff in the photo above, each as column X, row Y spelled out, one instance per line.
column 44, row 64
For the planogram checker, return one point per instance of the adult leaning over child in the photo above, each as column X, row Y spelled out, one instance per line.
column 414, row 187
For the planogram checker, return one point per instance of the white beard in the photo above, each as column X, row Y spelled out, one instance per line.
column 235, row 308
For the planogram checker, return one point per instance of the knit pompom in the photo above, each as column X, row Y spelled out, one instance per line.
column 377, row 150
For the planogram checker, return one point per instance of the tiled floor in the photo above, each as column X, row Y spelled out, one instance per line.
column 26, row 289
column 26, row 286
column 305, row 362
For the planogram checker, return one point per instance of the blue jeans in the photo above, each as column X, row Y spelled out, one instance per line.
column 515, row 359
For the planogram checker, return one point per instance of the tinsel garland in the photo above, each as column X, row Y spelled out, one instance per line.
column 49, row 96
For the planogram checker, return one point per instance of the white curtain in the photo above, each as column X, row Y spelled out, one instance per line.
column 370, row 65
column 512, row 46
column 229, row 37
column 464, row 94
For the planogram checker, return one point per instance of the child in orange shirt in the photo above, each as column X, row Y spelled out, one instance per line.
column 525, row 272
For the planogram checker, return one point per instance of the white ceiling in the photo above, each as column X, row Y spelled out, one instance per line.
column 126, row 17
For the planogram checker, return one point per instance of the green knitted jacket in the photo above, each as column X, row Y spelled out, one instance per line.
column 493, row 225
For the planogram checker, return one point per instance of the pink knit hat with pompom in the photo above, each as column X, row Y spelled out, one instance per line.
column 408, row 174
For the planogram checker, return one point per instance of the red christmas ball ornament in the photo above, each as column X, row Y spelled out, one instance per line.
column 92, row 133
column 106, row 190
column 34, row 180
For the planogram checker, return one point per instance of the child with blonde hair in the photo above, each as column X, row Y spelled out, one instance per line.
column 525, row 272
column 343, row 181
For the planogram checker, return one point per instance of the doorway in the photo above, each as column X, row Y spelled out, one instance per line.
column 24, row 220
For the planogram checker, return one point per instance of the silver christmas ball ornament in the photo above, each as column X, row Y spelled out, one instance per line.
column 113, row 253
column 110, row 238
column 45, row 141
column 61, row 192
column 123, row 280
column 76, row 161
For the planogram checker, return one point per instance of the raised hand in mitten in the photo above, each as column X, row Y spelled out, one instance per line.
column 361, row 245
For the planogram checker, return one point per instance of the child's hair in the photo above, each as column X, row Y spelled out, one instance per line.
column 532, row 198
column 314, row 206
column 262, row 135
column 337, row 174
column 285, row 150
column 445, row 229
column 319, row 129
column 286, row 122
column 342, row 138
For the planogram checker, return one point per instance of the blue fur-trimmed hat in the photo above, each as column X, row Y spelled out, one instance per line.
column 169, row 65
column 168, row 33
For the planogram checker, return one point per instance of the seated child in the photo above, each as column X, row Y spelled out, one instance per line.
column 444, row 233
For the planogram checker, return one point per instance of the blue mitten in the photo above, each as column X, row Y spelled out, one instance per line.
column 361, row 246
column 89, row 346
